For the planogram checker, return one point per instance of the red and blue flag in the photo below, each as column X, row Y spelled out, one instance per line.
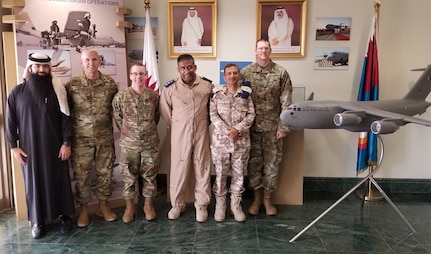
column 369, row 91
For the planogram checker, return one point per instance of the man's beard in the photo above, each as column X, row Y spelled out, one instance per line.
column 40, row 85
column 40, row 80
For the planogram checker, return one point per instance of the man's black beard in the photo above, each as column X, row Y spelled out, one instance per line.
column 40, row 85
column 40, row 80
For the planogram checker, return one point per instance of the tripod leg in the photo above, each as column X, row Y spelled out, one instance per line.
column 392, row 205
column 366, row 184
column 331, row 207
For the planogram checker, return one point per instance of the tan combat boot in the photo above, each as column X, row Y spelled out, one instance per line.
column 175, row 212
column 105, row 212
column 150, row 214
column 220, row 209
column 235, row 207
column 201, row 213
column 83, row 220
column 270, row 209
column 129, row 212
column 257, row 202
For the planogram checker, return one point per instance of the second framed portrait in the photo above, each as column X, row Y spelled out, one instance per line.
column 192, row 27
column 283, row 24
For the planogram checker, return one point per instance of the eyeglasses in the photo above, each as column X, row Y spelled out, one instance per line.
column 138, row 73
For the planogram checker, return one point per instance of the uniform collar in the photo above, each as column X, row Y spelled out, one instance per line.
column 226, row 91
column 196, row 82
column 268, row 68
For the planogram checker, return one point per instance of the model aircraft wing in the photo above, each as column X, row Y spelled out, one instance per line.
column 384, row 115
column 416, row 120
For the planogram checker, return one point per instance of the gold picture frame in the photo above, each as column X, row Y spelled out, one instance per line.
column 289, row 41
column 190, row 33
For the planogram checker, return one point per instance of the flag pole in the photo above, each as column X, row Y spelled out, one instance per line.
column 370, row 194
column 147, row 4
column 377, row 13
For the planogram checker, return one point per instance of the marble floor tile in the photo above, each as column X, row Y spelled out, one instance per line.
column 348, row 228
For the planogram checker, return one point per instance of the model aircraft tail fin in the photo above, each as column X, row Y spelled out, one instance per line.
column 311, row 96
column 422, row 86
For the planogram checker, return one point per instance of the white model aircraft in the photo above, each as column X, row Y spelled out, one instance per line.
column 379, row 117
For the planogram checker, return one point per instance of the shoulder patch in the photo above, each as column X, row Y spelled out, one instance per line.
column 170, row 82
column 209, row 80
column 245, row 92
column 246, row 83
column 246, row 89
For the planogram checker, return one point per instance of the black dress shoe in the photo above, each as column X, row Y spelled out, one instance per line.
column 65, row 224
column 37, row 231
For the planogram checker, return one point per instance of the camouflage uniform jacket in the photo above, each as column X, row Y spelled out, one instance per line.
column 91, row 106
column 272, row 92
column 137, row 115
column 235, row 111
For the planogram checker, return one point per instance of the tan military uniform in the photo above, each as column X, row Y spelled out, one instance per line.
column 91, row 111
column 185, row 111
column 136, row 116
column 229, row 109
column 272, row 92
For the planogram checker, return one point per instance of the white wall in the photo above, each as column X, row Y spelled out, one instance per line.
column 404, row 44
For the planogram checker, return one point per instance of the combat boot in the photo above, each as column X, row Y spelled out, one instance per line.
column 175, row 212
column 83, row 220
column 257, row 202
column 235, row 207
column 105, row 212
column 201, row 213
column 270, row 209
column 150, row 214
column 220, row 209
column 129, row 212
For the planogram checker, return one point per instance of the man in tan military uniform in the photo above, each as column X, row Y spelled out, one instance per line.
column 136, row 114
column 184, row 107
column 232, row 114
column 272, row 92
column 90, row 96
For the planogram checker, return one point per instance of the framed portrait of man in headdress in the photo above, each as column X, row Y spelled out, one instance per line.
column 282, row 23
column 192, row 28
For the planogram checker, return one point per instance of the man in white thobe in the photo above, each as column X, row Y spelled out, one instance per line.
column 193, row 29
column 281, row 28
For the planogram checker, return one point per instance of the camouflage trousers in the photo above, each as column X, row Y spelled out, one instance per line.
column 234, row 163
column 84, row 153
column 265, row 158
column 134, row 163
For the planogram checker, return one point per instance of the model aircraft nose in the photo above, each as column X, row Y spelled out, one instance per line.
column 284, row 116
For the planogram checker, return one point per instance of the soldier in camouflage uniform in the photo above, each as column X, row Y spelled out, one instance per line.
column 232, row 114
column 90, row 98
column 272, row 92
column 136, row 114
column 184, row 104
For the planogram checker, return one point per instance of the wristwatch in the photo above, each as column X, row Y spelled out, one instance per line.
column 66, row 143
